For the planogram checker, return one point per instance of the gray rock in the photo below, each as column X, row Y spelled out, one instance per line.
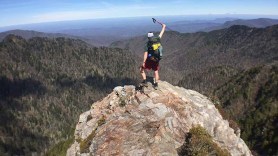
column 152, row 123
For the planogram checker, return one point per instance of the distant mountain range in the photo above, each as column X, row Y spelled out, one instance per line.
column 253, row 23
column 106, row 31
column 49, row 81
column 216, row 47
column 230, row 50
column 27, row 34
column 238, row 65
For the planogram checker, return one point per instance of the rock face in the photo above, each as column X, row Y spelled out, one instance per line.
column 129, row 122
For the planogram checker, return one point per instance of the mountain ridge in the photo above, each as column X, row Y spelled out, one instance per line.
column 238, row 47
column 42, row 80
column 209, row 63
column 28, row 34
column 66, row 68
column 253, row 23
column 106, row 31
column 155, row 122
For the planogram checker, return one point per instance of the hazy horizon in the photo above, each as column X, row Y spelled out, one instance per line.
column 15, row 12
column 167, row 18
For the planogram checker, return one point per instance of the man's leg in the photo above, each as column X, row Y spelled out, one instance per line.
column 144, row 82
column 156, row 75
column 143, row 73
column 156, row 79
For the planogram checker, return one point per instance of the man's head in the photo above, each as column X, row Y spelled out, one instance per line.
column 150, row 34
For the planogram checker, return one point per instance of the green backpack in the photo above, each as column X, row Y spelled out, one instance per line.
column 154, row 49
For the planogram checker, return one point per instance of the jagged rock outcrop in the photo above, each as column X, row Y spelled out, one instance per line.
column 129, row 122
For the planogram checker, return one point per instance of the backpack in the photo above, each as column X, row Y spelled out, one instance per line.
column 154, row 49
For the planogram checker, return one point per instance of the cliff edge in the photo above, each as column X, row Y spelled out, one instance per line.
column 153, row 122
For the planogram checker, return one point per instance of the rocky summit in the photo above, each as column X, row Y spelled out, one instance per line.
column 151, row 122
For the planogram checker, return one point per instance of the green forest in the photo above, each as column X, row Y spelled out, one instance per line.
column 46, row 83
column 236, row 68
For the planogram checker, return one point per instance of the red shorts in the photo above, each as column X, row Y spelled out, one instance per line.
column 151, row 65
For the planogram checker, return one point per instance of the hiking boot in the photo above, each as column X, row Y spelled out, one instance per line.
column 155, row 86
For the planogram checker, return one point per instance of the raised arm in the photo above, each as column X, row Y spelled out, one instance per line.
column 162, row 30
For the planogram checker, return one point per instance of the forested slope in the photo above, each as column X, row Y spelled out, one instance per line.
column 46, row 83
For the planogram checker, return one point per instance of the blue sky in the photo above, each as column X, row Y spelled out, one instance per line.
column 13, row 12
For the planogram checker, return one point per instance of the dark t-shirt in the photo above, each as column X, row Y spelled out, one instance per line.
column 146, row 44
column 160, row 48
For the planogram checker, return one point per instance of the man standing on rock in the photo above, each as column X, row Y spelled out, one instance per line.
column 152, row 56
